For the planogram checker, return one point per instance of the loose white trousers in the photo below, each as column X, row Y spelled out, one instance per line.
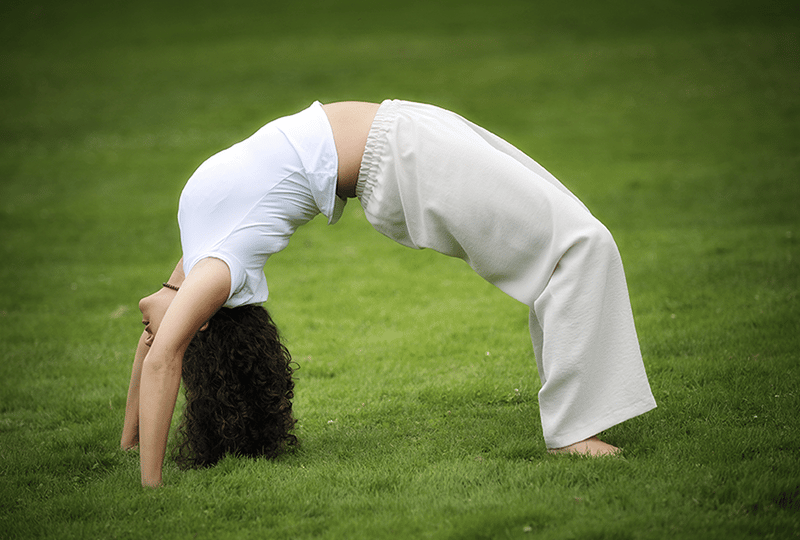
column 431, row 179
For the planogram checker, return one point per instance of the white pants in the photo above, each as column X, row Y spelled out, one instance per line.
column 431, row 179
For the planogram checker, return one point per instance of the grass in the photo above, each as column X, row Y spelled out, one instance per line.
column 678, row 123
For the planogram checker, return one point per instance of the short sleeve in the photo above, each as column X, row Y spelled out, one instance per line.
column 237, row 271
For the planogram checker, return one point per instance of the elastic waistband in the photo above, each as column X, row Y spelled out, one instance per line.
column 376, row 141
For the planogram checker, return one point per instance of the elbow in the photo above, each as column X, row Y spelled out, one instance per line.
column 161, row 362
column 160, row 368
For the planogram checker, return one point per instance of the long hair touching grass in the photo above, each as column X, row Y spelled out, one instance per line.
column 237, row 378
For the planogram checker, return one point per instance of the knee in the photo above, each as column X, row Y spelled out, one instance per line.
column 602, row 237
column 600, row 244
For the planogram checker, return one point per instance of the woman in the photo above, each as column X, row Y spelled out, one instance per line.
column 426, row 178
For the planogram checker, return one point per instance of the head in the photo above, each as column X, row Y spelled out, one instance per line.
column 153, row 309
column 237, row 377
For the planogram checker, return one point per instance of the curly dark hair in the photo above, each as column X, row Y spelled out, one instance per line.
column 237, row 377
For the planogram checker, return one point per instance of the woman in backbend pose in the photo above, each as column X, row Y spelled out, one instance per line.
column 426, row 178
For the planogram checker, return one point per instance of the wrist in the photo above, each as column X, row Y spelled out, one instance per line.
column 151, row 480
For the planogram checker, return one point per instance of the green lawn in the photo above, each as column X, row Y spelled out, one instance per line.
column 677, row 122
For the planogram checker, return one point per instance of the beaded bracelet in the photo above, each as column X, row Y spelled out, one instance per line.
column 170, row 286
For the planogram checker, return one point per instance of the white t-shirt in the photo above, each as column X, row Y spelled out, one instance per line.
column 243, row 204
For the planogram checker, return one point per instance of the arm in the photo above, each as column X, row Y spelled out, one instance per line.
column 130, row 428
column 202, row 293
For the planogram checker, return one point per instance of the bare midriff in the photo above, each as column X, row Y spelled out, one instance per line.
column 350, row 121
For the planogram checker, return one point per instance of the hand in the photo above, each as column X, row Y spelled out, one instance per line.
column 130, row 444
column 152, row 482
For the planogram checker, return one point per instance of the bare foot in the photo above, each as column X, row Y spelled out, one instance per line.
column 589, row 447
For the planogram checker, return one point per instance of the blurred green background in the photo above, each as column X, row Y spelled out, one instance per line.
column 677, row 122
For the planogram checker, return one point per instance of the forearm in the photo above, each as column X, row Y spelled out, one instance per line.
column 158, row 392
column 130, row 428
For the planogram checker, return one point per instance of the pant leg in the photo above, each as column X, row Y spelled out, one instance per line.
column 586, row 346
column 434, row 180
